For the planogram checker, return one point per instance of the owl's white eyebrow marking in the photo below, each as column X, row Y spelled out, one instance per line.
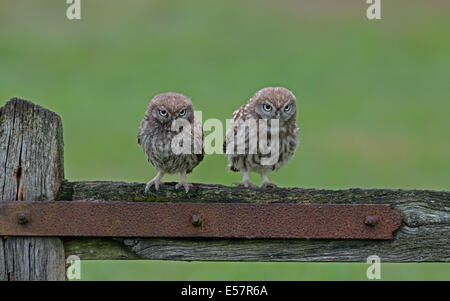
column 268, row 102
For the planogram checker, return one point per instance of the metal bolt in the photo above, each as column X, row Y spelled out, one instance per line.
column 370, row 221
column 22, row 218
column 196, row 220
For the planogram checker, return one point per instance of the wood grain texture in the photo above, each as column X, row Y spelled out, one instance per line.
column 32, row 168
column 98, row 248
column 423, row 237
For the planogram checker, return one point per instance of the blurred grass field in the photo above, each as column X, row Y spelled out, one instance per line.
column 374, row 96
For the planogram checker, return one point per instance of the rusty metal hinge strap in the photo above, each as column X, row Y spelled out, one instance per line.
column 209, row 220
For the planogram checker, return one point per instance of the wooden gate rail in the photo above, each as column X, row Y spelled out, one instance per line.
column 423, row 236
column 32, row 169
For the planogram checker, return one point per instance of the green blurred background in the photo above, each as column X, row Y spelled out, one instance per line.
column 374, row 97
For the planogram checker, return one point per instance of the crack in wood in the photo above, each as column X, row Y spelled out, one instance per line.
column 18, row 177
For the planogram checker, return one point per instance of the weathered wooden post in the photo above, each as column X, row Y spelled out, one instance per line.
column 31, row 169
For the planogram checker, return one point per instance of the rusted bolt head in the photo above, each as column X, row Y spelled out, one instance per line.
column 196, row 220
column 370, row 221
column 22, row 218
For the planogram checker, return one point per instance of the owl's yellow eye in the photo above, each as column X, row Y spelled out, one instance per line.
column 163, row 113
column 267, row 107
column 182, row 112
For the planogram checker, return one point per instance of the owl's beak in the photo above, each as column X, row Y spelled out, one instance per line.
column 174, row 117
column 277, row 114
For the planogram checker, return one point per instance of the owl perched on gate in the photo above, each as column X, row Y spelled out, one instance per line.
column 169, row 122
column 275, row 107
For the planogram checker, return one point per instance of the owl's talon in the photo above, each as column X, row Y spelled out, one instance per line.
column 155, row 183
column 268, row 185
column 246, row 184
column 186, row 186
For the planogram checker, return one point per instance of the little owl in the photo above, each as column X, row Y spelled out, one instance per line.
column 273, row 112
column 157, row 131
